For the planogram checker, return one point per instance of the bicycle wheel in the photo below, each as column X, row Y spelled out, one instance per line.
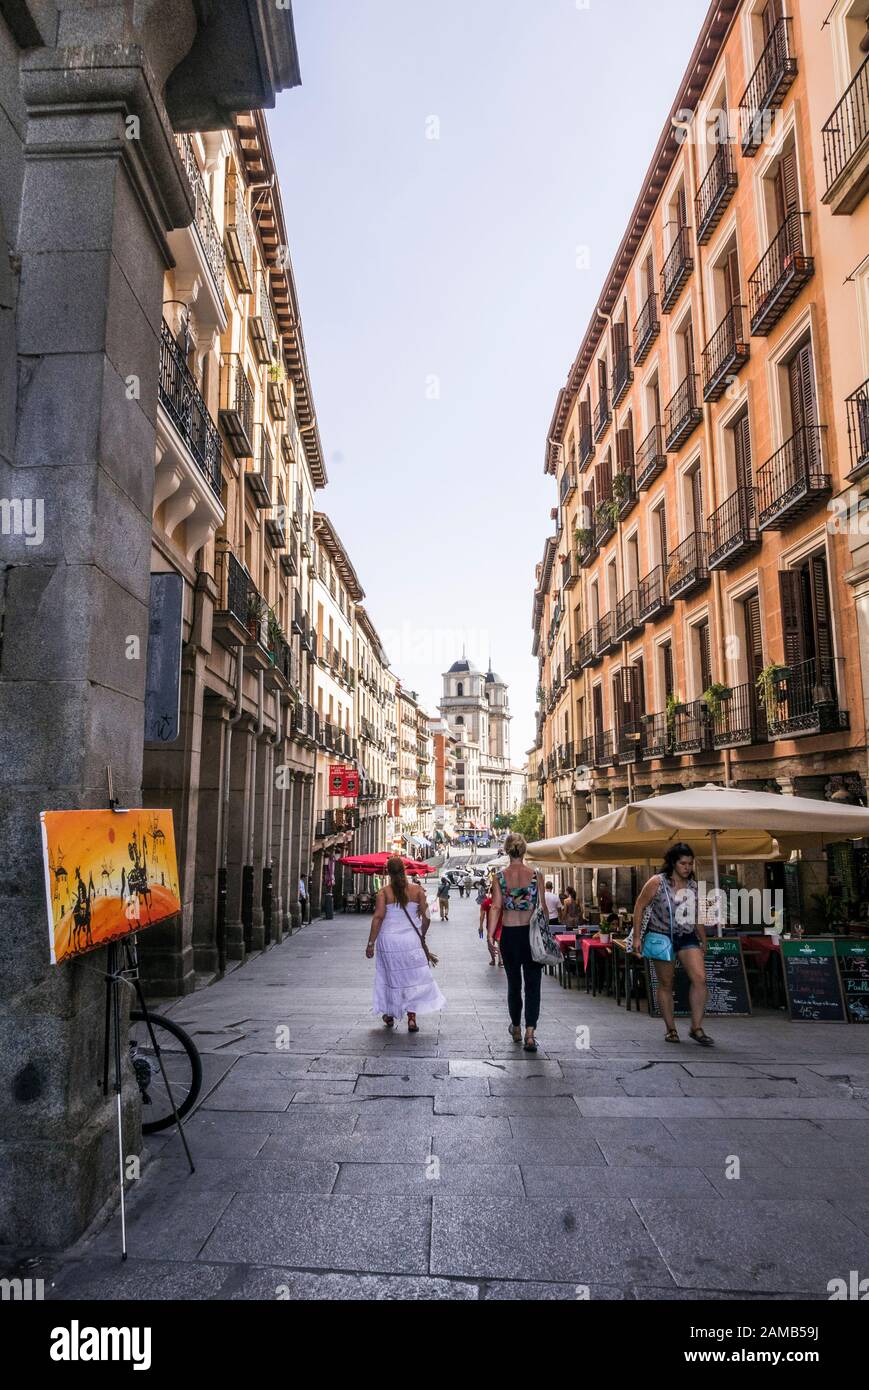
column 182, row 1063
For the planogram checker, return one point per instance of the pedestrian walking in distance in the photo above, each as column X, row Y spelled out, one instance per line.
column 403, row 978
column 667, row 928
column 516, row 893
column 553, row 906
column 303, row 899
column 444, row 899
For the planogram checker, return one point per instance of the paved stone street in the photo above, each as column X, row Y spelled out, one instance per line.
column 604, row 1168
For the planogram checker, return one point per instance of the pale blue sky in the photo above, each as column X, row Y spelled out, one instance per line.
column 441, row 300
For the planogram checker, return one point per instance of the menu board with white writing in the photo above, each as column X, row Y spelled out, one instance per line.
column 728, row 995
column 812, row 983
column 853, row 957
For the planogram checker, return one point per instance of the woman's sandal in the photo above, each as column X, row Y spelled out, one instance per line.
column 530, row 1045
column 700, row 1037
column 515, row 1033
column 389, row 1020
column 672, row 1036
column 412, row 1027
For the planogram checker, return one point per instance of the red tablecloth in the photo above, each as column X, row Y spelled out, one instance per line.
column 765, row 946
column 565, row 942
column 590, row 945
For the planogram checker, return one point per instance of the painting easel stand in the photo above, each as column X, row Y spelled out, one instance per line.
column 123, row 969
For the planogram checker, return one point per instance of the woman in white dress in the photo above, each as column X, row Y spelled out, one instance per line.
column 403, row 979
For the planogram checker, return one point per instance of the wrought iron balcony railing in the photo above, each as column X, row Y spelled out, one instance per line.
column 204, row 220
column 652, row 596
column 629, row 742
column 725, row 354
column 259, row 478
column 646, row 329
column 627, row 619
column 651, row 458
column 739, row 720
column 623, row 373
column 677, row 268
column 657, row 737
column 261, row 321
column 569, row 572
column 767, row 87
column 781, row 275
column 688, row 567
column 587, row 655
column 604, row 635
column 858, row 427
column 805, row 699
column 238, row 235
column 604, row 748
column 684, row 414
column 236, row 407
column 586, row 447
column 183, row 403
column 846, row 146
column 715, row 192
column 733, row 529
column 602, row 416
column 625, row 489
column 568, row 485
column 692, row 731
column 794, row 479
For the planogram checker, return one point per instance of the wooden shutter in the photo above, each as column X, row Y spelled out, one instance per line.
column 656, row 400
column 625, row 451
column 605, row 478
column 689, row 350
column 801, row 379
column 731, row 279
column 820, row 596
column 584, row 419
column 638, row 679
column 793, row 630
column 586, row 521
column 753, row 637
column 705, row 656
column 697, row 500
column 668, row 669
column 682, row 207
column 650, row 275
column 787, row 193
column 620, row 338
column 597, row 708
column 742, row 455
column 662, row 534
column 618, row 702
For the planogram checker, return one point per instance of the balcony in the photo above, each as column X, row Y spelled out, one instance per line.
column 568, row 486
column 716, row 192
column 625, row 489
column 236, row 407
column 571, row 662
column 276, row 524
column 587, row 656
column 604, row 636
column 197, row 249
column 846, row 147
column 276, row 392
column 858, row 430
column 688, row 569
column 677, row 268
column 567, row 757
column 657, row 737
column 569, row 573
column 733, row 529
column 740, row 719
column 652, row 597
column 770, row 82
column 290, row 556
column 627, row 618
column 725, row 354
column 587, row 547
column 781, row 275
column 602, row 416
column 646, row 329
column 241, row 618
column 260, row 323
column 804, row 699
column 651, row 458
column 238, row 235
column 683, row 414
column 586, row 448
column 180, row 397
column 604, row 748
column 298, row 619
column 623, row 374
column 691, row 729
column 606, row 519
column 793, row 480
column 260, row 478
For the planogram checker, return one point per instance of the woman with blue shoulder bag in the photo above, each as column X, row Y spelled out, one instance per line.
column 668, row 928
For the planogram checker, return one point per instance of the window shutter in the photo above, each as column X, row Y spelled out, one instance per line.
column 705, row 656
column 650, row 275
column 624, row 450
column 791, row 613
column 587, row 514
column 697, row 499
column 662, row 533
column 638, row 676
column 597, row 701
column 787, row 187
column 753, row 636
column 731, row 278
column 668, row 670
column 821, row 613
column 742, row 453
column 682, row 207
column 618, row 702
column 605, row 478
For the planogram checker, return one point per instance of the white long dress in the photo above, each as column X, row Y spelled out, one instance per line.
column 404, row 981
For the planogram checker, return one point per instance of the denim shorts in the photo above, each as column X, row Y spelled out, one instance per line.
column 687, row 942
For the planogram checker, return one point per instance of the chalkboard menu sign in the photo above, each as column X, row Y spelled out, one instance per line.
column 853, row 957
column 812, row 984
column 725, row 981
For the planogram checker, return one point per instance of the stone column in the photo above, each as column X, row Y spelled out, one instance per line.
column 238, row 821
column 95, row 205
column 294, row 848
column 208, row 843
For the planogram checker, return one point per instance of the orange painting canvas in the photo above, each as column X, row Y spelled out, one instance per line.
column 107, row 873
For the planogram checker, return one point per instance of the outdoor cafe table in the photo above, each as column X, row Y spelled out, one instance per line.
column 767, row 952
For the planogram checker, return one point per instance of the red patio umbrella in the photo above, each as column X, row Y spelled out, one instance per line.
column 376, row 864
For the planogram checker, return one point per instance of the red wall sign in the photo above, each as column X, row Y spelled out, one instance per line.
column 343, row 781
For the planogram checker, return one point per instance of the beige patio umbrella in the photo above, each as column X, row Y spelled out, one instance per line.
column 722, row 821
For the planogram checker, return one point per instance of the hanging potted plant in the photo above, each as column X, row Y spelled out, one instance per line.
column 256, row 611
column 585, row 537
column 621, row 488
column 275, row 631
column 768, row 683
column 674, row 707
column 714, row 698
column 276, row 371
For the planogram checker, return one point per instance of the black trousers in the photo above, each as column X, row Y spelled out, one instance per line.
column 519, row 963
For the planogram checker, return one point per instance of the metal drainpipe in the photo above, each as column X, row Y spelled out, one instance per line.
column 272, row 744
column 226, row 773
column 710, row 439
